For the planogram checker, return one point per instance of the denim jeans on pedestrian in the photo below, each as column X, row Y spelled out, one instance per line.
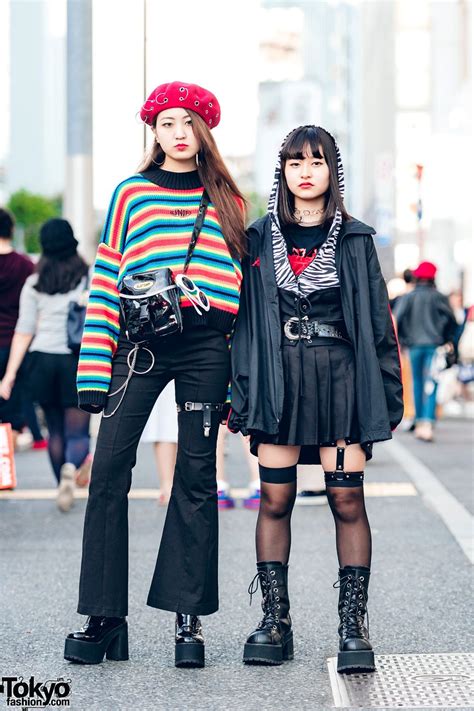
column 424, row 387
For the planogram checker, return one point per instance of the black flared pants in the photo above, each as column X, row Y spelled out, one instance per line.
column 185, row 577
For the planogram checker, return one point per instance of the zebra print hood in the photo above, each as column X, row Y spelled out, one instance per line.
column 321, row 273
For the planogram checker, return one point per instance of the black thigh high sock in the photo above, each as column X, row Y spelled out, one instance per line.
column 278, row 492
column 353, row 537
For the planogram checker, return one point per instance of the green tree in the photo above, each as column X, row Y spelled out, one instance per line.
column 257, row 206
column 30, row 212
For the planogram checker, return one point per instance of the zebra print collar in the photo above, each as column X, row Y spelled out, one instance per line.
column 321, row 272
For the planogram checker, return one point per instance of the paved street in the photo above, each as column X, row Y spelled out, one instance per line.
column 420, row 597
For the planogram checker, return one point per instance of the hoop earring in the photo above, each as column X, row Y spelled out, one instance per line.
column 199, row 157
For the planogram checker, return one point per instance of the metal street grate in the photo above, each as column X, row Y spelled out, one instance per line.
column 407, row 681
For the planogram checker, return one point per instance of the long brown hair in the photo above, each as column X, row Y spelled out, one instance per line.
column 216, row 180
column 59, row 276
column 314, row 138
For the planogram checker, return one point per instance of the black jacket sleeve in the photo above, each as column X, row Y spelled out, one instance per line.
column 240, row 357
column 386, row 343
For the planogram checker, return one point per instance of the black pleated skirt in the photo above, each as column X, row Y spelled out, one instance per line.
column 320, row 401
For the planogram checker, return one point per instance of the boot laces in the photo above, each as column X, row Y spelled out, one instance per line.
column 354, row 606
column 270, row 600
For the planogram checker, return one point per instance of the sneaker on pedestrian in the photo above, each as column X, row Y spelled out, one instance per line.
column 40, row 444
column 407, row 425
column 224, row 499
column 83, row 473
column 252, row 501
column 24, row 441
column 424, row 431
column 311, row 497
column 65, row 496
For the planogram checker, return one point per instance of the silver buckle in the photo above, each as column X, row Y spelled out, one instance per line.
column 295, row 336
column 189, row 406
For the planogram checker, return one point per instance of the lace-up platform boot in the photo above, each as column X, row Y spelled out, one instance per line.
column 272, row 641
column 355, row 651
column 189, row 644
column 98, row 636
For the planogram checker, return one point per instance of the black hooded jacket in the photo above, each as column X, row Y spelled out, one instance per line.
column 257, row 366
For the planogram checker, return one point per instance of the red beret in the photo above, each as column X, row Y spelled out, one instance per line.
column 178, row 94
column 425, row 270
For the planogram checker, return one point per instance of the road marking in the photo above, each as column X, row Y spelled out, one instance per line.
column 372, row 488
column 32, row 494
column 456, row 517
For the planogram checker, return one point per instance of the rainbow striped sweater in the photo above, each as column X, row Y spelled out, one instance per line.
column 149, row 225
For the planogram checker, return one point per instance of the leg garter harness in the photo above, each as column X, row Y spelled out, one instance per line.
column 341, row 477
column 206, row 408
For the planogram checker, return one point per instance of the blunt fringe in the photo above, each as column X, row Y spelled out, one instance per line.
column 321, row 145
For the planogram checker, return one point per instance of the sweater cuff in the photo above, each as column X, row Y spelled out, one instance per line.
column 92, row 400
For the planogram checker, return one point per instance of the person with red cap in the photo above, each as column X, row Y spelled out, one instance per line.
column 425, row 321
column 163, row 300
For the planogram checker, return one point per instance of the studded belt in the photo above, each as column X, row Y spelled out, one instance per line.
column 296, row 329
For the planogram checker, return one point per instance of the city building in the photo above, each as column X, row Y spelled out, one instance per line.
column 36, row 155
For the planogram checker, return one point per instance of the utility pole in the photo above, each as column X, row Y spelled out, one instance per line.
column 78, row 203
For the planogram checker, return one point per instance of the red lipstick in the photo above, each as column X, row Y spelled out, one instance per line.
column 305, row 185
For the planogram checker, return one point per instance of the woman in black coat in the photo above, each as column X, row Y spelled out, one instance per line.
column 316, row 379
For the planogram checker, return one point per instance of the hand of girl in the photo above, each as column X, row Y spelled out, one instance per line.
column 6, row 386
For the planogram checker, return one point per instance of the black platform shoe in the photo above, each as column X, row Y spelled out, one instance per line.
column 189, row 644
column 99, row 636
column 355, row 651
column 272, row 641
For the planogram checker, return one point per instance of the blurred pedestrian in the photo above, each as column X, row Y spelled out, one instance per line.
column 161, row 430
column 397, row 288
column 315, row 379
column 466, row 355
column 169, row 256
column 60, row 278
column 14, row 270
column 224, row 496
column 425, row 321
column 455, row 299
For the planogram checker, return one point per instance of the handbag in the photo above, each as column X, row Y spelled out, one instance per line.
column 443, row 358
column 149, row 300
column 7, row 457
column 76, row 317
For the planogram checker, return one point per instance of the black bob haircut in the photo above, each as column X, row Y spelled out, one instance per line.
column 321, row 145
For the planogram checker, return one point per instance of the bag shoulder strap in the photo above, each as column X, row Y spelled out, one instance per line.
column 197, row 228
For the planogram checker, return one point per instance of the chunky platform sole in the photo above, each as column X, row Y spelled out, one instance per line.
column 114, row 646
column 356, row 662
column 189, row 654
column 270, row 654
